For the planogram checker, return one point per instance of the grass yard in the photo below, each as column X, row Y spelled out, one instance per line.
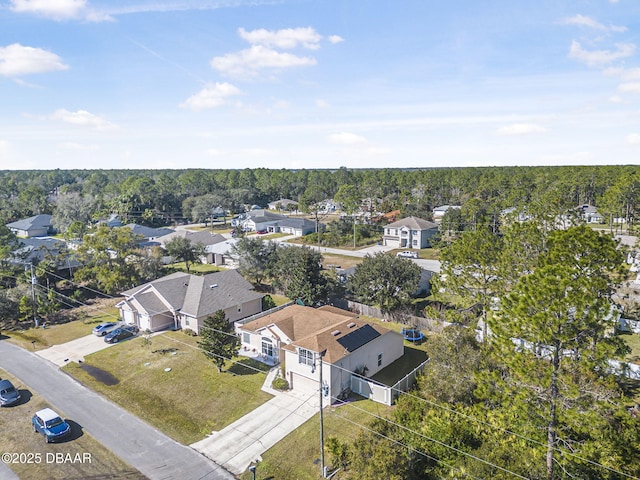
column 297, row 455
column 41, row 338
column 194, row 268
column 18, row 437
column 186, row 403
column 341, row 261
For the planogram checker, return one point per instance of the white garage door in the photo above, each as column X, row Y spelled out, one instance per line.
column 302, row 384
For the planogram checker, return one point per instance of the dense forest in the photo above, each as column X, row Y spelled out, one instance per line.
column 155, row 197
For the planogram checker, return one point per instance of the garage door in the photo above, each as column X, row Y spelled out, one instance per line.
column 302, row 384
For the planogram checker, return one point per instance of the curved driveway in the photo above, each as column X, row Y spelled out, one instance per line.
column 142, row 446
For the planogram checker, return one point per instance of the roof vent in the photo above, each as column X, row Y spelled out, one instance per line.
column 351, row 325
column 335, row 332
column 214, row 285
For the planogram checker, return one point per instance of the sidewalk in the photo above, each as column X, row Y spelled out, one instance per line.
column 238, row 445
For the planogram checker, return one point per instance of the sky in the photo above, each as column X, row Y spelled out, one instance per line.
column 296, row 84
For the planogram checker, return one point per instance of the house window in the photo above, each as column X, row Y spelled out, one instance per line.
column 305, row 356
column 246, row 337
column 379, row 359
column 415, row 242
column 267, row 347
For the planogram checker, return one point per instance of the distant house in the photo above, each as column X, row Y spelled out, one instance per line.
column 296, row 335
column 265, row 221
column 410, row 232
column 283, row 204
column 148, row 234
column 439, row 212
column 36, row 226
column 184, row 301
column 204, row 237
column 35, row 250
column 590, row 214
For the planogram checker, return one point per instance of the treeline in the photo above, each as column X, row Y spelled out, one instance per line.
column 154, row 197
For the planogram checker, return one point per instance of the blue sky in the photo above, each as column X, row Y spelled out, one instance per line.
column 318, row 83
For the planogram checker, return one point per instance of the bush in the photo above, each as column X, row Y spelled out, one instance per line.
column 280, row 383
column 189, row 332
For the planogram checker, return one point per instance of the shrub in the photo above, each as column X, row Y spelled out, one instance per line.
column 189, row 332
column 280, row 383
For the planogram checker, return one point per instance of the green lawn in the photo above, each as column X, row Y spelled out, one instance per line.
column 40, row 338
column 297, row 455
column 186, row 403
column 633, row 341
column 194, row 268
column 17, row 437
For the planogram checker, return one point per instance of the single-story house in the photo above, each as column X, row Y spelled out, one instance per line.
column 263, row 220
column 410, row 232
column 296, row 336
column 183, row 301
column 283, row 204
column 204, row 237
column 36, row 226
column 148, row 234
column 439, row 212
column 35, row 250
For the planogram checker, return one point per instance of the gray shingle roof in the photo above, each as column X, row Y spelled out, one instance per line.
column 195, row 295
column 203, row 236
column 413, row 223
column 37, row 221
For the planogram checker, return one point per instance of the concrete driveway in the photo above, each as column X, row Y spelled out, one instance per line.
column 153, row 453
column 74, row 350
column 238, row 445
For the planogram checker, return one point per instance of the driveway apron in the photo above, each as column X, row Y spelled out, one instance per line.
column 142, row 446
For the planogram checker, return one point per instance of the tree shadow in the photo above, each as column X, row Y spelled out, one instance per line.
column 248, row 366
column 25, row 396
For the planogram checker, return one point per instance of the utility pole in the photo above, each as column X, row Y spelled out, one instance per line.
column 34, row 280
column 323, row 472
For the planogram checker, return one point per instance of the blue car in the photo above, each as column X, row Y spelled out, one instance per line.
column 8, row 394
column 49, row 423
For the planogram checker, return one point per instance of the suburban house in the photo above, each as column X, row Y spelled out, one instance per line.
column 295, row 336
column 183, row 301
column 204, row 237
column 148, row 234
column 283, row 204
column 410, row 232
column 439, row 212
column 590, row 214
column 36, row 226
column 265, row 221
column 35, row 250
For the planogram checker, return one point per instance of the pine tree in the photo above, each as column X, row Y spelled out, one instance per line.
column 217, row 339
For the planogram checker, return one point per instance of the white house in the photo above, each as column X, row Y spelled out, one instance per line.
column 297, row 335
column 410, row 232
column 36, row 226
column 439, row 212
column 183, row 301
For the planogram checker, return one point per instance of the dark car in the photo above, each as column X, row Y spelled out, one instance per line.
column 105, row 327
column 120, row 333
column 49, row 423
column 8, row 394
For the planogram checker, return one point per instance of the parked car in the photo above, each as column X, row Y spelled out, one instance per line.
column 407, row 254
column 50, row 424
column 262, row 231
column 105, row 327
column 120, row 333
column 8, row 394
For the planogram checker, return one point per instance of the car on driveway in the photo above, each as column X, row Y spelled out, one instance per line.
column 50, row 424
column 120, row 333
column 8, row 394
column 407, row 254
column 105, row 327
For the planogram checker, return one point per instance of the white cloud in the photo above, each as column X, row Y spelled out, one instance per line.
column 633, row 139
column 345, row 138
column 286, row 38
column 584, row 21
column 248, row 62
column 17, row 60
column 59, row 9
column 596, row 58
column 335, row 39
column 616, row 99
column 211, row 96
column 630, row 87
column 82, row 118
column 320, row 103
column 521, row 129
column 75, row 146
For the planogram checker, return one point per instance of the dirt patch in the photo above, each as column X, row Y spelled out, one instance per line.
column 100, row 375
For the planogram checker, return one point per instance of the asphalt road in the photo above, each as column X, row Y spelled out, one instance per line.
column 142, row 446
